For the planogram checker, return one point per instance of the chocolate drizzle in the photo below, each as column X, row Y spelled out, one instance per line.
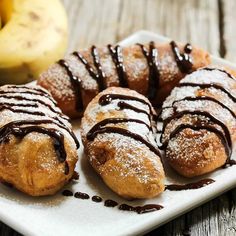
column 117, row 57
column 67, row 193
column 100, row 76
column 224, row 136
column 107, row 98
column 206, row 86
column 141, row 209
column 154, row 73
column 110, row 203
column 206, row 98
column 223, row 133
column 224, row 71
column 96, row 199
column 183, row 60
column 20, row 98
column 21, row 128
column 81, row 195
column 199, row 184
column 101, row 127
column 124, row 105
column 76, row 83
column 97, row 129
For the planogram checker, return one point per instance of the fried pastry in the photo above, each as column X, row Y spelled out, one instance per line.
column 37, row 146
column 118, row 135
column 152, row 69
column 198, row 122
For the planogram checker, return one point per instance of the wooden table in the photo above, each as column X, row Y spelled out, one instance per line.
column 209, row 24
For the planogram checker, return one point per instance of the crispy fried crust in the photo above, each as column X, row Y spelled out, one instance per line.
column 56, row 80
column 192, row 152
column 126, row 165
column 30, row 163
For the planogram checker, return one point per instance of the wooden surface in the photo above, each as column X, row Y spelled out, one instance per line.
column 206, row 23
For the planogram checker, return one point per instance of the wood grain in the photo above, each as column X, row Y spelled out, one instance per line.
column 208, row 24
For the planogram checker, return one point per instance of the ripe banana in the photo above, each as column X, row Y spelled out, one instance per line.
column 33, row 35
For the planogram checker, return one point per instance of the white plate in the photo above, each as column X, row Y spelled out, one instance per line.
column 58, row 215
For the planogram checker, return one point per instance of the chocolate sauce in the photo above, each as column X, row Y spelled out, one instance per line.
column 114, row 121
column 98, row 77
column 97, row 129
column 96, row 199
column 15, row 129
column 27, row 92
column 141, row 209
column 76, row 83
column 205, row 98
column 21, row 98
column 67, row 193
column 206, row 86
column 29, row 88
column 101, row 75
column 110, row 203
column 183, row 60
column 224, row 136
column 75, row 175
column 9, row 107
column 199, row 184
column 229, row 163
column 154, row 74
column 124, row 105
column 81, row 195
column 19, row 105
column 117, row 57
column 107, row 98
column 224, row 71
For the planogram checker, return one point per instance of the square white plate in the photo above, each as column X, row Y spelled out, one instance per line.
column 59, row 215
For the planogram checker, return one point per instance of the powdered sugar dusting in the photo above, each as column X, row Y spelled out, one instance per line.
column 186, row 144
column 120, row 143
column 16, row 96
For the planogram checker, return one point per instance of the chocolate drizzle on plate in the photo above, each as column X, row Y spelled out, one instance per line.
column 81, row 195
column 67, row 193
column 96, row 199
column 141, row 209
column 195, row 185
column 110, row 203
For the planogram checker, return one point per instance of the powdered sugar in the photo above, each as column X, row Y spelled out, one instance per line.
column 33, row 106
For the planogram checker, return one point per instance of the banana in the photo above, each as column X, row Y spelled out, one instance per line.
column 33, row 36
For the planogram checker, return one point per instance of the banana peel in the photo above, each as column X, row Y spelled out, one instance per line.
column 33, row 36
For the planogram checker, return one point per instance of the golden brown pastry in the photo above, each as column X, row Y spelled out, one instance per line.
column 37, row 146
column 118, row 135
column 152, row 70
column 199, row 122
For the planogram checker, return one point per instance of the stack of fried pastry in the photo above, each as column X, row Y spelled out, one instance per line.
column 38, row 149
column 118, row 135
column 199, row 122
column 152, row 69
